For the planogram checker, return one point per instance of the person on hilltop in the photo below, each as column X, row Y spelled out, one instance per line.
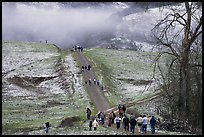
column 81, row 49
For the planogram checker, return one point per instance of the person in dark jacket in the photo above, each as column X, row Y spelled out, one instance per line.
column 89, row 67
column 114, row 116
column 133, row 123
column 152, row 124
column 88, row 112
column 103, row 118
column 124, row 109
column 90, row 125
column 126, row 122
column 47, row 125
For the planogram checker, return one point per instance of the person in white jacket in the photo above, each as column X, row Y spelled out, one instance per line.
column 95, row 124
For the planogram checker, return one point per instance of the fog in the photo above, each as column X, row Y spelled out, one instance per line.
column 60, row 25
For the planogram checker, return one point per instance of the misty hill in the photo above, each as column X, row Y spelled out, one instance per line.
column 104, row 24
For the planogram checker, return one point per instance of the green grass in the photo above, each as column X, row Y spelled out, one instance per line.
column 117, row 67
column 19, row 116
column 30, row 46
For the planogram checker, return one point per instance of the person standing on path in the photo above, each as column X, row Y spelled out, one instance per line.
column 88, row 113
column 102, row 118
column 120, row 111
column 117, row 122
column 47, row 125
column 152, row 124
column 110, row 117
column 139, row 123
column 126, row 122
column 90, row 125
column 90, row 81
column 89, row 67
column 95, row 124
column 114, row 116
column 144, row 124
column 133, row 123
column 124, row 109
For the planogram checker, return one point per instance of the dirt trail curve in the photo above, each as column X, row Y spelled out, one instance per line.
column 94, row 91
column 97, row 94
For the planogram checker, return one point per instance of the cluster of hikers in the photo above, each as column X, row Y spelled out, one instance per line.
column 129, row 123
column 95, row 81
column 90, row 81
column 88, row 68
column 77, row 48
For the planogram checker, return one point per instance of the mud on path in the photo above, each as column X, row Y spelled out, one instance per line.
column 95, row 92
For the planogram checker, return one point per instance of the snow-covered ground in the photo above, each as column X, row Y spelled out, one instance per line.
column 130, row 70
column 32, row 86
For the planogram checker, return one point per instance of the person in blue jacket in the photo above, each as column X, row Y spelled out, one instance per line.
column 152, row 124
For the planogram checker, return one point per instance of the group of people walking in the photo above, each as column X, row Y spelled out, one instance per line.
column 77, row 48
column 88, row 68
column 129, row 123
column 94, row 81
column 90, row 81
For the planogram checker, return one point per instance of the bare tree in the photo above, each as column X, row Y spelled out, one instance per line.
column 179, row 33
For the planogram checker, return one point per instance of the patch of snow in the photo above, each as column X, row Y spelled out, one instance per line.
column 15, row 91
column 120, row 5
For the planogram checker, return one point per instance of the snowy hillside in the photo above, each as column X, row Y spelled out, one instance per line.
column 39, row 83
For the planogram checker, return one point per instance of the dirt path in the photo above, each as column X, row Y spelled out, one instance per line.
column 101, row 102
column 94, row 91
column 97, row 94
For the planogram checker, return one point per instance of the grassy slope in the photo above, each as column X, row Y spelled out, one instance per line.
column 20, row 113
column 119, row 67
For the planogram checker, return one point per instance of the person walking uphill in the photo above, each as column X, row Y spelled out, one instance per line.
column 117, row 122
column 114, row 116
column 124, row 109
column 139, row 123
column 110, row 118
column 144, row 124
column 90, row 125
column 95, row 124
column 88, row 113
column 152, row 124
column 126, row 122
column 133, row 123
column 47, row 125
